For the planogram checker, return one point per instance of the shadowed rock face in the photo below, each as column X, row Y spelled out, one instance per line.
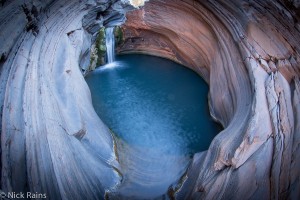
column 52, row 140
column 248, row 51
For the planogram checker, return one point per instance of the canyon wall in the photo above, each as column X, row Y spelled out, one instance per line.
column 53, row 142
column 248, row 52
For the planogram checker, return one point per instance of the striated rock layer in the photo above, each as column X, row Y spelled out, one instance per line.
column 52, row 141
column 248, row 52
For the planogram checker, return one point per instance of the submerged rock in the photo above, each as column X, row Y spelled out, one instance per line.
column 53, row 142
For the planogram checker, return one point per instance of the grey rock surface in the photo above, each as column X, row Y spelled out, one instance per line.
column 52, row 141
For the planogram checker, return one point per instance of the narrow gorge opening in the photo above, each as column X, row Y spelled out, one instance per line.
column 158, row 113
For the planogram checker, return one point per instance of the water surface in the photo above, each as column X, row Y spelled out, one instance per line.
column 158, row 111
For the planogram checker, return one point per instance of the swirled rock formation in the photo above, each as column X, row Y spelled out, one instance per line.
column 52, row 141
column 248, row 51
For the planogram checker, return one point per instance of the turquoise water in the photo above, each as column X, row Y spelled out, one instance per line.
column 158, row 111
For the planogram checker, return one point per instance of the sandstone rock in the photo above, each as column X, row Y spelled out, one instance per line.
column 248, row 52
column 53, row 142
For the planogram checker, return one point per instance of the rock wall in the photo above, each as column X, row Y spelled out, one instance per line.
column 52, row 141
column 248, row 51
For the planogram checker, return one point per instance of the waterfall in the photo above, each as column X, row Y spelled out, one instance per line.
column 110, row 44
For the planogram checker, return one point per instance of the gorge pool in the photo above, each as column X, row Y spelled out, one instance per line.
column 158, row 112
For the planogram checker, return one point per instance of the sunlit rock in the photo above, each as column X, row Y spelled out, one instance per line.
column 136, row 3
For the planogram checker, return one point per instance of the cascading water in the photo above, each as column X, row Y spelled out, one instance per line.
column 110, row 44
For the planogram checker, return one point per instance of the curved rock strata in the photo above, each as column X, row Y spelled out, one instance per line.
column 52, row 141
column 248, row 51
